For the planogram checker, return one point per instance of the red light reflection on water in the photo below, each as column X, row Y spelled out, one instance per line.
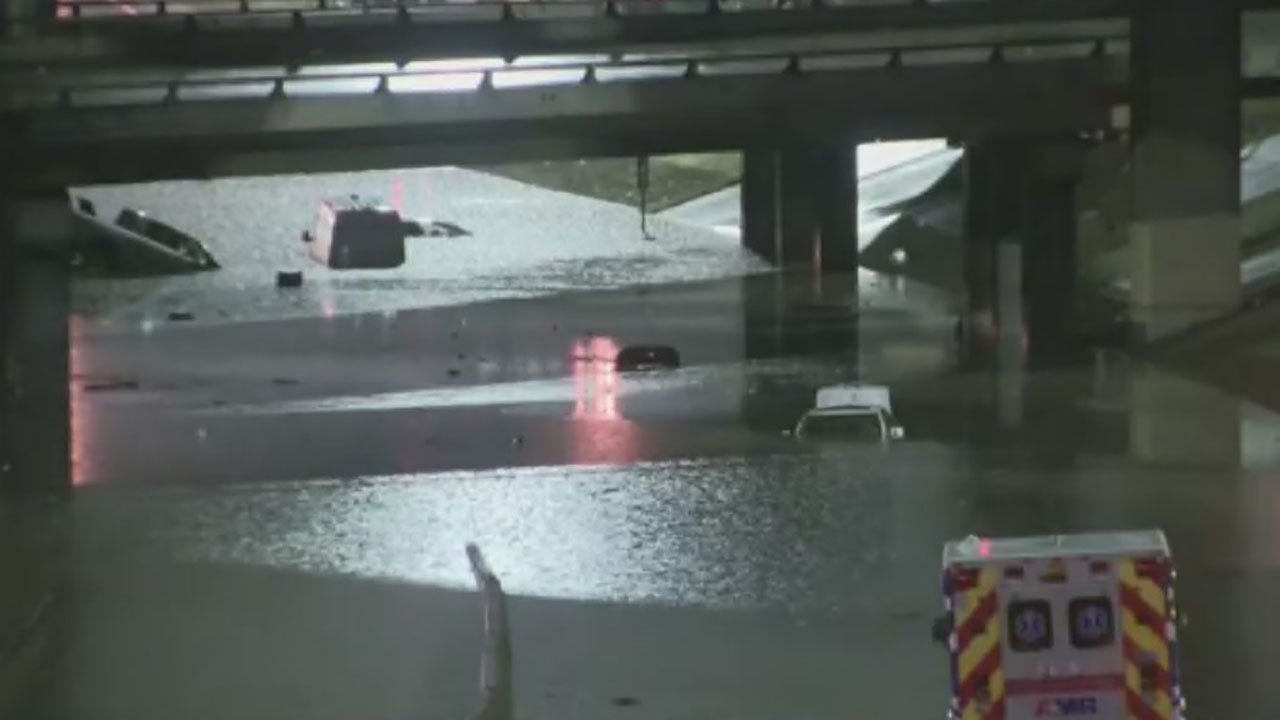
column 83, row 418
column 599, row 433
column 397, row 194
column 595, row 379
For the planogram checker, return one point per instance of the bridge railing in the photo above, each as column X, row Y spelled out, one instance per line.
column 514, row 10
column 470, row 9
column 480, row 76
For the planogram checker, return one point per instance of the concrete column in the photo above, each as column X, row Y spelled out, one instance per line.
column 838, row 209
column 22, row 16
column 800, row 189
column 1185, row 231
column 1049, row 272
column 761, row 203
column 993, row 177
column 35, row 421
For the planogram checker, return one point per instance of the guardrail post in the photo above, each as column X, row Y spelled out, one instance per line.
column 496, row 700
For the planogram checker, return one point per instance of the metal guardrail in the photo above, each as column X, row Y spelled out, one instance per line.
column 283, row 85
column 537, row 9
column 104, row 34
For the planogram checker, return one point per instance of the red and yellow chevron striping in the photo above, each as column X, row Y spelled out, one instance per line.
column 981, row 692
column 1147, row 630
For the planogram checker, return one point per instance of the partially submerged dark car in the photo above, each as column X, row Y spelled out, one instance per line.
column 184, row 246
column 647, row 357
column 138, row 243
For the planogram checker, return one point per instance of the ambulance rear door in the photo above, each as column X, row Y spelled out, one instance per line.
column 1061, row 644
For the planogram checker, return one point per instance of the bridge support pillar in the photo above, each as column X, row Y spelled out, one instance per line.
column 19, row 17
column 1048, row 233
column 761, row 203
column 993, row 176
column 1185, row 232
column 800, row 206
column 837, row 176
column 1020, row 248
column 800, row 188
column 35, row 415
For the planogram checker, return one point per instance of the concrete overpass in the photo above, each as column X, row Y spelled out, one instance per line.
column 204, row 34
column 275, row 123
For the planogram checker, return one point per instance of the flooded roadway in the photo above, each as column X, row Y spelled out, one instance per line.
column 270, row 515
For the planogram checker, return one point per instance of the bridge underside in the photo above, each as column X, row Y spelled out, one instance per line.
column 56, row 147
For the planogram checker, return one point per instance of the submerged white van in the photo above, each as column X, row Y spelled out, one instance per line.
column 354, row 233
column 850, row 413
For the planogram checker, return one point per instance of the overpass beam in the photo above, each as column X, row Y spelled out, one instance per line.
column 1185, row 232
column 35, row 417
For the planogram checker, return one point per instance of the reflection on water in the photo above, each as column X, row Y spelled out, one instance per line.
column 595, row 379
column 84, row 419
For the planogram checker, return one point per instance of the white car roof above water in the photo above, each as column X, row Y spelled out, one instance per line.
column 1108, row 544
column 853, row 394
column 843, row 410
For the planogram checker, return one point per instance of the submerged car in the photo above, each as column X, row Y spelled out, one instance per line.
column 647, row 357
column 136, row 243
column 355, row 233
column 171, row 238
column 850, row 413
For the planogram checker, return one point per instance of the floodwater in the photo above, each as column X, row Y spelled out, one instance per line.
column 270, row 514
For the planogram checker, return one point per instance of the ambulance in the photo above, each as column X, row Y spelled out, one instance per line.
column 1061, row 626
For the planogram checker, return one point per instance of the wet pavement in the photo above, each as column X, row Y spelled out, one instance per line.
column 269, row 516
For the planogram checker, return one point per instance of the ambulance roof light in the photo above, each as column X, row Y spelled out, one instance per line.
column 984, row 547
